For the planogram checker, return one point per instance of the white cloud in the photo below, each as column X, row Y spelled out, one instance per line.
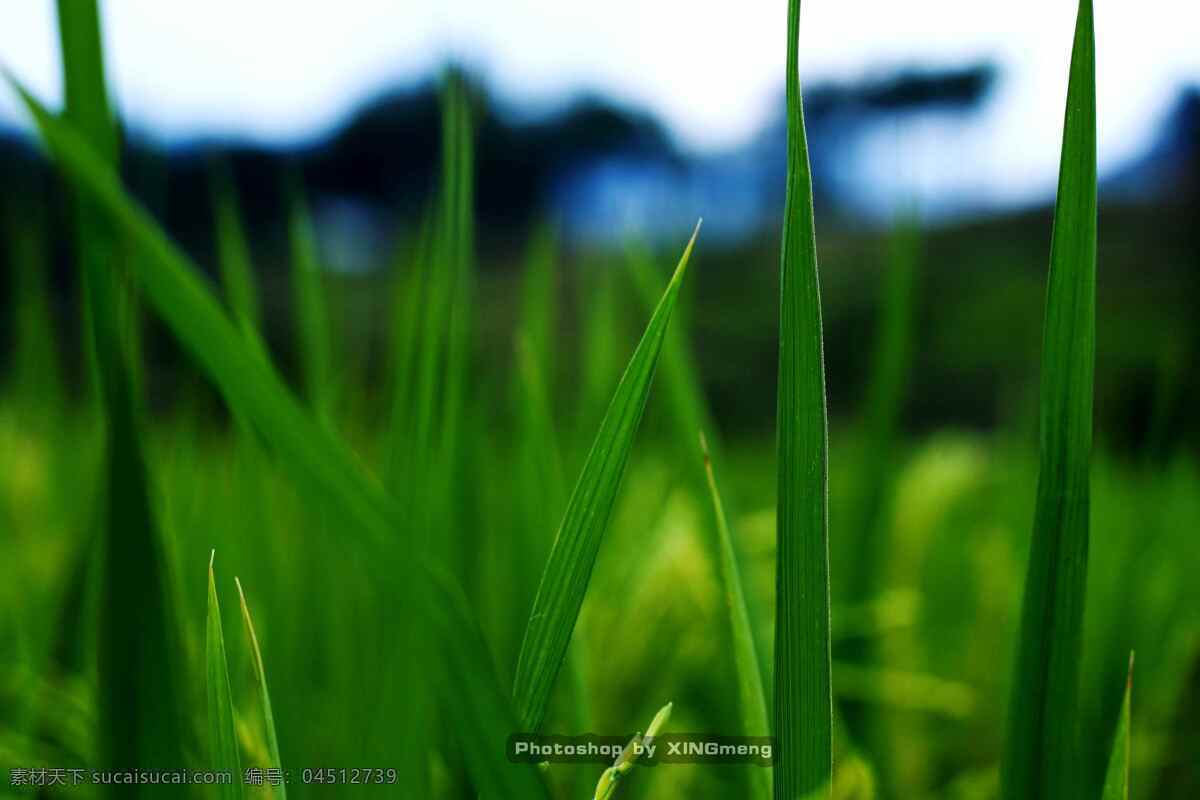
column 277, row 69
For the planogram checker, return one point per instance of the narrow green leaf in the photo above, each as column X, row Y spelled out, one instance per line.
column 600, row 360
column 1042, row 749
column 309, row 304
column 752, row 703
column 682, row 389
column 408, row 308
column 569, row 568
column 264, row 696
column 866, row 532
column 310, row 452
column 539, row 307
column 141, row 722
column 803, row 698
column 457, row 253
column 233, row 253
column 313, row 456
column 222, row 731
column 479, row 714
column 36, row 372
column 1116, row 780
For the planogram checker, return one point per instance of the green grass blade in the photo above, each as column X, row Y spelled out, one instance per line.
column 866, row 532
column 249, row 385
column 569, row 568
column 264, row 696
column 222, row 731
column 682, row 389
column 36, row 372
column 309, row 304
column 233, row 254
column 752, row 703
column 803, row 698
column 1116, row 779
column 479, row 713
column 408, row 318
column 141, row 721
column 600, row 360
column 539, row 306
column 308, row 451
column 458, row 246
column 1041, row 751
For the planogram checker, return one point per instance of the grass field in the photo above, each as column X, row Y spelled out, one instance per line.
column 518, row 510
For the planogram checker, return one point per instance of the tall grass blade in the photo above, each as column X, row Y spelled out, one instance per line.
column 264, row 696
column 599, row 354
column 865, row 530
column 689, row 410
column 407, row 306
column 803, row 698
column 141, row 722
column 35, row 369
column 312, row 314
column 222, row 731
column 313, row 457
column 569, row 568
column 475, row 706
column 311, row 454
column 233, row 254
column 457, row 252
column 752, row 703
column 1042, row 748
column 1116, row 779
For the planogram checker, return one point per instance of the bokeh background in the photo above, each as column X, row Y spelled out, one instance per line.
column 602, row 132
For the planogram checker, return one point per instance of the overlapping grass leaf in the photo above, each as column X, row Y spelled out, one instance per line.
column 141, row 718
column 260, row 677
column 565, row 579
column 311, row 454
column 803, row 697
column 1116, row 778
column 1041, row 756
column 752, row 703
column 222, row 730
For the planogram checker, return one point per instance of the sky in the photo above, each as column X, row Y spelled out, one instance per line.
column 278, row 70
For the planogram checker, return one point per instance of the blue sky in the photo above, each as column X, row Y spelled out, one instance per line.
column 278, row 70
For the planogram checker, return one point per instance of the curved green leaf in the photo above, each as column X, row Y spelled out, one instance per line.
column 222, row 730
column 569, row 568
column 1041, row 758
column 260, row 676
column 1116, row 780
column 803, row 697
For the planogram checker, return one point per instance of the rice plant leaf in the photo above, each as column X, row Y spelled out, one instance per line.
column 565, row 579
column 752, row 703
column 264, row 696
column 222, row 732
column 1116, row 779
column 866, row 534
column 803, row 697
column 313, row 456
column 233, row 253
column 689, row 410
column 457, row 251
column 1042, row 749
column 312, row 314
column 141, row 722
column 476, row 707
column 601, row 361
